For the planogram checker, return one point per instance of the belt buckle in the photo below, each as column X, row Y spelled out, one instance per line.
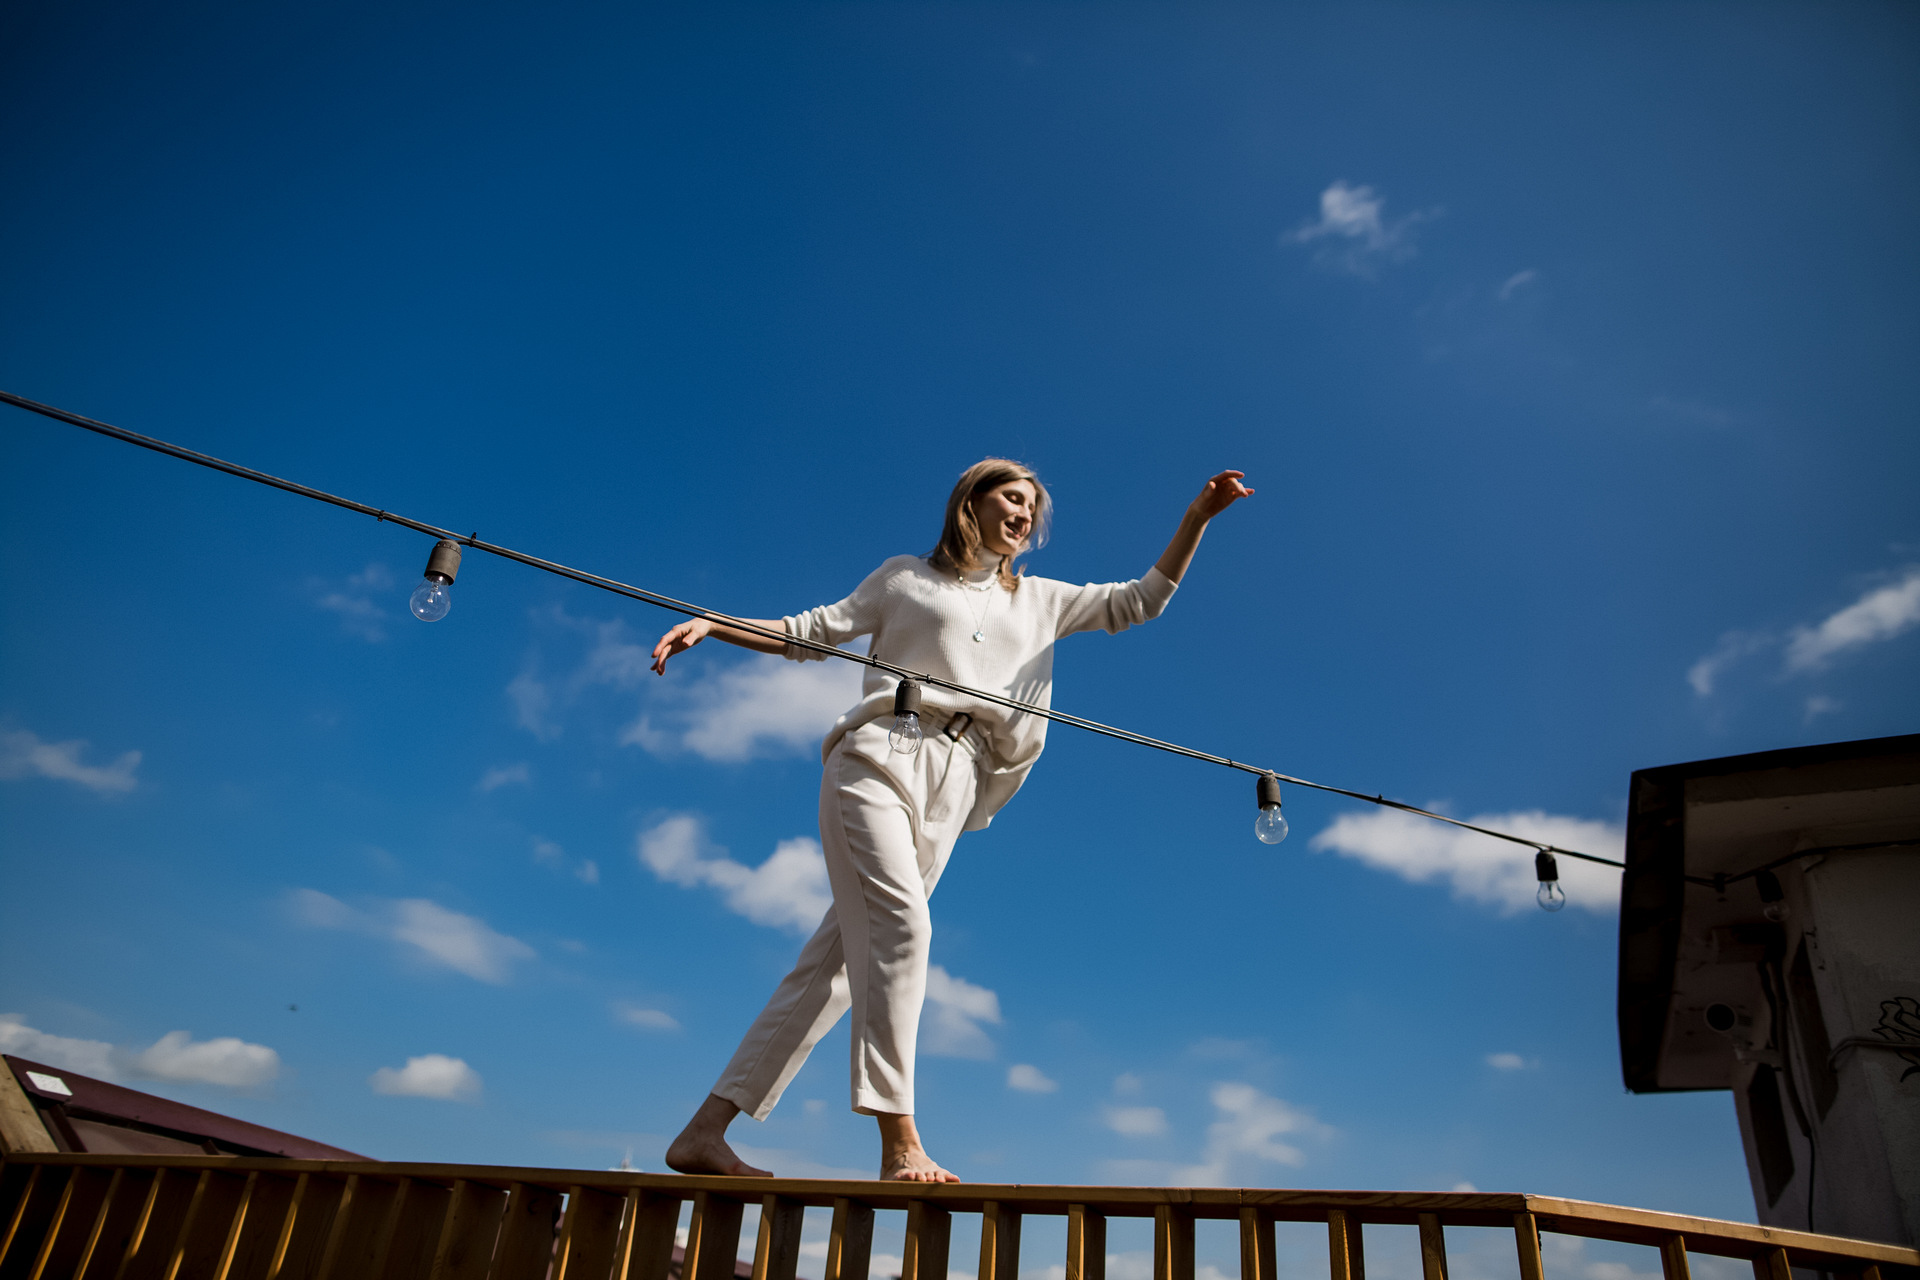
column 957, row 726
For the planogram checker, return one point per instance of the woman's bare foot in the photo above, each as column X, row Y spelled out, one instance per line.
column 702, row 1145
column 902, row 1158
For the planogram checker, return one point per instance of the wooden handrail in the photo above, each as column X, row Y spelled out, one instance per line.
column 117, row 1217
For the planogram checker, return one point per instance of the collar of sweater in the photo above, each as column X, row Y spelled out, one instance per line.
column 981, row 579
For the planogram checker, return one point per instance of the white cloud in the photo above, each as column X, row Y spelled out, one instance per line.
column 460, row 942
column 431, row 1075
column 505, row 775
column 176, row 1056
column 646, row 1019
column 1246, row 1134
column 532, row 700
column 1128, row 1085
column 950, row 1022
column 1878, row 615
column 1028, row 1078
column 1481, row 868
column 24, row 755
column 228, row 1062
column 1356, row 236
column 1506, row 1062
column 1464, row 1188
column 787, row 891
column 1705, row 674
column 1136, row 1122
column 1517, row 281
column 359, row 615
column 1820, row 705
column 588, row 872
column 761, row 706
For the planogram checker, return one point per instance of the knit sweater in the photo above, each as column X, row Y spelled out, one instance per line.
column 922, row 619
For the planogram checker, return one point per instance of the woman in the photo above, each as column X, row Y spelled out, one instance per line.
column 889, row 819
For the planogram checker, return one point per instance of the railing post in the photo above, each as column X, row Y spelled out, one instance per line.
column 588, row 1234
column 999, row 1242
column 525, row 1250
column 929, row 1232
column 1526, row 1240
column 713, row 1238
column 1086, row 1243
column 849, row 1241
column 645, row 1251
column 1346, row 1254
column 1673, row 1257
column 1172, row 1242
column 776, row 1253
column 1433, row 1248
column 1772, row 1265
column 1256, row 1244
column 471, row 1229
column 308, row 1225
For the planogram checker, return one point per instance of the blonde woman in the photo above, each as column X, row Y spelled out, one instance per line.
column 889, row 818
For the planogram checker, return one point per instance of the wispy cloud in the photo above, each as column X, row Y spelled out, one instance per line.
column 1705, row 674
column 951, row 1025
column 1517, row 281
column 763, row 705
column 1820, row 705
column 532, row 702
column 360, row 615
column 436, row 934
column 787, row 891
column 176, row 1056
column 1507, row 1062
column 24, row 755
column 646, row 1019
column 1481, row 868
column 505, row 775
column 1027, row 1078
column 586, row 870
column 1136, row 1122
column 1353, row 233
column 431, row 1075
column 1879, row 615
column 1247, row 1133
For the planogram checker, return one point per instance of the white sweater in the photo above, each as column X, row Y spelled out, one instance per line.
column 923, row 620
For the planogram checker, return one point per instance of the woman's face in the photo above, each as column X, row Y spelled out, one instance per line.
column 1005, row 516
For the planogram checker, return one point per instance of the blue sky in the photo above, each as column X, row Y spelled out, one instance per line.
column 1569, row 348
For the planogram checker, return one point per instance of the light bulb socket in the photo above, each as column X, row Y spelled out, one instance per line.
column 1545, row 869
column 1769, row 886
column 443, row 562
column 1267, row 789
column 906, row 698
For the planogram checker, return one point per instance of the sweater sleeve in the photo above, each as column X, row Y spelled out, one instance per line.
column 1115, row 606
column 835, row 624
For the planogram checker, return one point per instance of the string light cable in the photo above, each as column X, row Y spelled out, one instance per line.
column 431, row 600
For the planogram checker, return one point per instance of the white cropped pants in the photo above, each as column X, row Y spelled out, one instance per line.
column 887, row 826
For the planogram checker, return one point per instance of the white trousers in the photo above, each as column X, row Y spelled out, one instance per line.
column 888, row 823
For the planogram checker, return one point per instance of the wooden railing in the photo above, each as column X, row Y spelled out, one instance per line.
column 106, row 1217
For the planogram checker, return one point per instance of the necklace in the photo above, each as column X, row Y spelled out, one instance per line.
column 985, row 588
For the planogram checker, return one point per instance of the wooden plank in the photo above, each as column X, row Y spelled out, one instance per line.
column 526, row 1233
column 217, row 1201
column 1345, row 1257
column 999, row 1242
column 1256, row 1244
column 125, row 1186
column 1673, row 1258
column 646, row 1237
column 1868, row 1272
column 15, row 1178
column 465, row 1248
column 150, row 1242
column 1433, row 1248
column 713, row 1237
column 1172, row 1242
column 256, row 1241
column 72, row 1228
column 27, row 1226
column 1526, row 1240
column 1773, row 1265
column 355, row 1235
column 1086, row 1243
column 929, row 1239
column 588, row 1234
column 21, row 1130
column 776, row 1251
column 849, row 1241
column 413, row 1230
column 307, row 1226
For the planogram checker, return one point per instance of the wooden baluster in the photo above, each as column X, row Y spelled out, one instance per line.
column 929, row 1235
column 999, row 1242
column 646, row 1239
column 1433, row 1248
column 256, row 1233
column 354, row 1234
column 39, row 1200
column 1526, row 1239
column 849, row 1241
column 464, row 1250
column 526, row 1235
column 1172, row 1242
column 1086, row 1243
column 119, row 1188
column 418, row 1217
column 713, row 1238
column 1256, row 1244
column 1868, row 1272
column 588, row 1234
column 1673, row 1257
column 1346, row 1254
column 212, row 1214
column 776, row 1253
column 308, row 1224
column 16, row 1183
column 1772, row 1265
column 72, row 1224
column 150, row 1242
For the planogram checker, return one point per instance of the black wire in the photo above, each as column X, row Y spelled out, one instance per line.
column 692, row 610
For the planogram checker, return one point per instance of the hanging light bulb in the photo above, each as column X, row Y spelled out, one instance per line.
column 1551, row 896
column 433, row 597
column 1269, row 827
column 1772, row 897
column 905, row 735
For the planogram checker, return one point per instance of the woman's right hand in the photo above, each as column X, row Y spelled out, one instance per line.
column 679, row 640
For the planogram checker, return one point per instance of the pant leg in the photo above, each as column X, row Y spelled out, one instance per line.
column 804, row 1007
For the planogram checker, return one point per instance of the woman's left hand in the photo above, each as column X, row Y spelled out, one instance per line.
column 1221, row 492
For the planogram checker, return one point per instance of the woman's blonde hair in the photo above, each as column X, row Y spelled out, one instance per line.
column 959, row 547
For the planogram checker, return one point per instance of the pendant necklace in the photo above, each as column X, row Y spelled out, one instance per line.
column 980, row 619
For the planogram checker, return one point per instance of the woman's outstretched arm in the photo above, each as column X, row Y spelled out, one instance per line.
column 1221, row 492
column 694, row 630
